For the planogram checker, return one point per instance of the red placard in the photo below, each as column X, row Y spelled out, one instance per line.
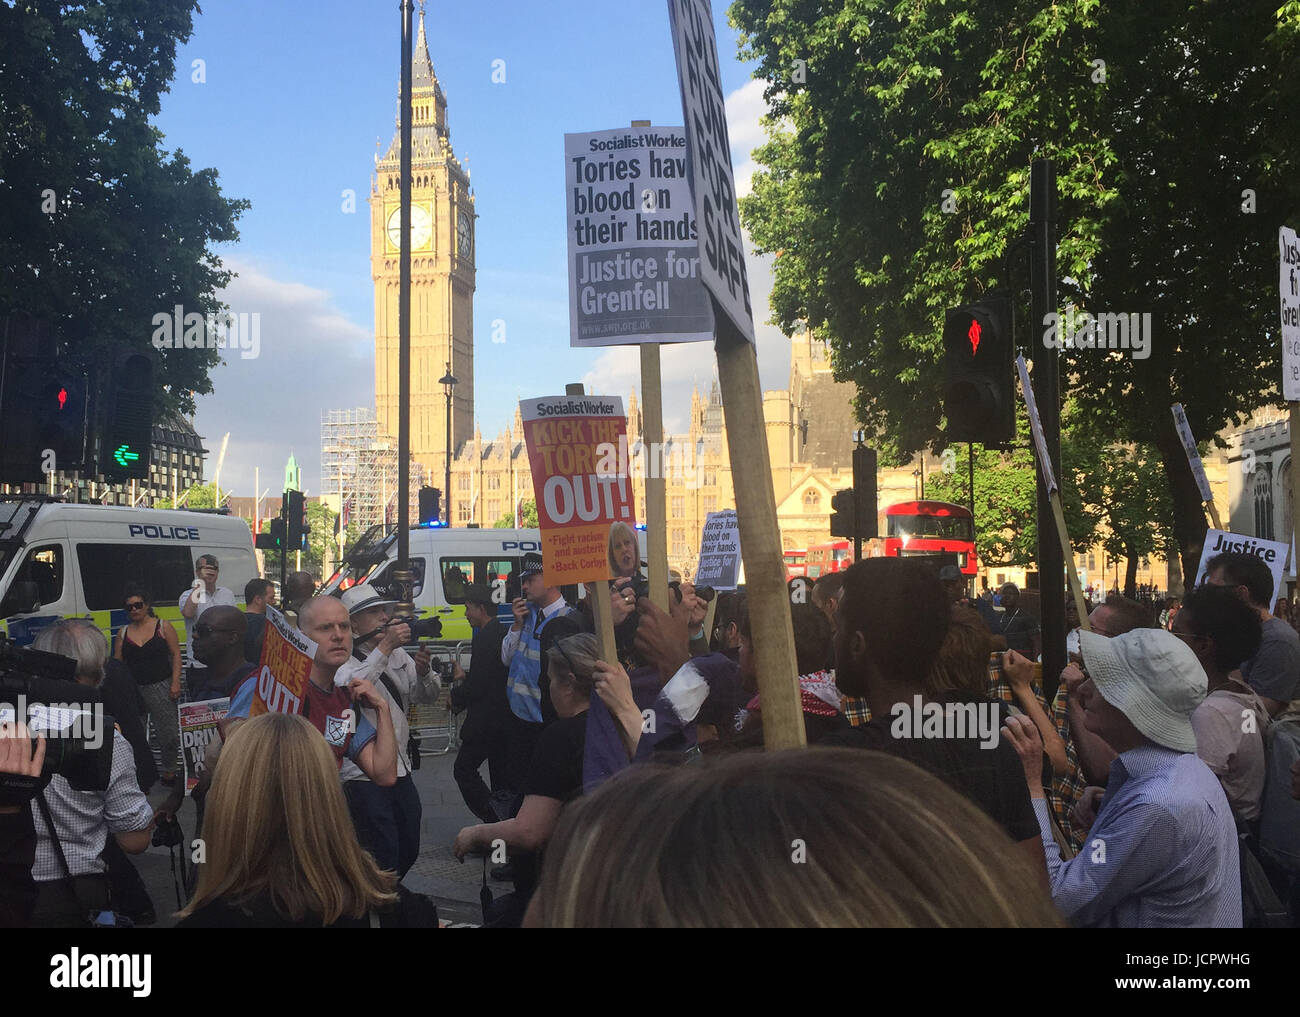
column 580, row 481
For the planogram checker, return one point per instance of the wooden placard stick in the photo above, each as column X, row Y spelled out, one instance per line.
column 709, row 616
column 652, row 436
column 599, row 591
column 760, row 541
column 1071, row 573
column 1294, row 425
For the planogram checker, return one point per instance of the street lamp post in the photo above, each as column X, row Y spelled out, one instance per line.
column 448, row 383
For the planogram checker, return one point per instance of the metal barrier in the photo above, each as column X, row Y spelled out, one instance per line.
column 435, row 721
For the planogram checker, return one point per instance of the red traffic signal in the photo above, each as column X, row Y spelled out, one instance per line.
column 979, row 353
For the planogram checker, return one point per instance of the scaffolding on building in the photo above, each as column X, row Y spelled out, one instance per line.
column 359, row 465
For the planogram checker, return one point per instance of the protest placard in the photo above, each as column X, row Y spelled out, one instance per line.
column 1272, row 552
column 1036, row 426
column 287, row 657
column 1289, row 294
column 198, row 724
column 573, row 444
column 719, row 551
column 633, row 251
column 713, row 185
column 1185, row 436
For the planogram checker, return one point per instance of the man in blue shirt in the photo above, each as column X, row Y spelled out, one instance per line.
column 1162, row 851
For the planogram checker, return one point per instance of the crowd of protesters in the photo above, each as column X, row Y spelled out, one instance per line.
column 1153, row 784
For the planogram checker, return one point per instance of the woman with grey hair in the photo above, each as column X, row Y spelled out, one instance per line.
column 553, row 778
column 71, row 877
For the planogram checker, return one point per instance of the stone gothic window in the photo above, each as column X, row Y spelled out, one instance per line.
column 1287, row 507
column 812, row 500
column 1263, row 504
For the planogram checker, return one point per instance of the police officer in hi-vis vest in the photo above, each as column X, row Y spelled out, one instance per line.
column 521, row 651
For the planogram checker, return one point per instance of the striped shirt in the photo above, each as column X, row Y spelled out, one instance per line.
column 1162, row 853
column 85, row 818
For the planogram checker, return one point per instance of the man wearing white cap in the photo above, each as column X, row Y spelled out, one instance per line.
column 387, row 819
column 1162, row 851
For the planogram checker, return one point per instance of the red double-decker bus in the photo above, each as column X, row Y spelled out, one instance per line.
column 931, row 529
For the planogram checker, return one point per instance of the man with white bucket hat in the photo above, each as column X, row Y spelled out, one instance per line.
column 387, row 819
column 1162, row 851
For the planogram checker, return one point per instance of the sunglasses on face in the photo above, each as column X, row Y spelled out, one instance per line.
column 135, row 605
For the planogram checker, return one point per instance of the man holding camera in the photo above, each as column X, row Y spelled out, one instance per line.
column 205, row 593
column 387, row 819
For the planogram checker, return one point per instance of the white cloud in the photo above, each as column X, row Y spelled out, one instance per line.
column 745, row 108
column 312, row 358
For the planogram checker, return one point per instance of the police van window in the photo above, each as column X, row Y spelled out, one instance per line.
column 106, row 569
column 457, row 573
column 44, row 567
column 502, row 574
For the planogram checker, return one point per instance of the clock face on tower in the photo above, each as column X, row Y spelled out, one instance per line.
column 421, row 227
column 466, row 238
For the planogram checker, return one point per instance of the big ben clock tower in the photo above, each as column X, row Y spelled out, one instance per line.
column 442, row 275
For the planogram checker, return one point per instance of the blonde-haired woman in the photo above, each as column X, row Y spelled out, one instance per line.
column 281, row 849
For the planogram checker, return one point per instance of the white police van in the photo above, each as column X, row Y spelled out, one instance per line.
column 60, row 560
column 443, row 562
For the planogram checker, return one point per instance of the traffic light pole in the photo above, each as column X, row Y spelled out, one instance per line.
column 1047, row 391
column 284, row 550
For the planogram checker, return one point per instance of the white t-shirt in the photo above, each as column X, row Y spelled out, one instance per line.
column 220, row 596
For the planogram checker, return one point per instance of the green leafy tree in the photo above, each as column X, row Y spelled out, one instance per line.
column 1006, row 506
column 198, row 496
column 1126, row 494
column 897, row 172
column 100, row 229
column 527, row 516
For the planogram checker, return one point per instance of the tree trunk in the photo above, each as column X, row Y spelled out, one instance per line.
column 1130, row 574
column 1189, row 513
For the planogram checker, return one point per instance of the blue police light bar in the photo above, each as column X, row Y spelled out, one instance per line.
column 640, row 526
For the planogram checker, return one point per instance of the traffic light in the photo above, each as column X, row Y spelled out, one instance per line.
column 430, row 498
column 274, row 540
column 295, row 514
column 127, row 439
column 842, row 516
column 979, row 353
column 43, row 421
column 864, row 490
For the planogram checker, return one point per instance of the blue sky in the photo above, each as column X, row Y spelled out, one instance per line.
column 294, row 99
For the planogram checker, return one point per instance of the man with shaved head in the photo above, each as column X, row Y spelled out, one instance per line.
column 218, row 644
column 329, row 707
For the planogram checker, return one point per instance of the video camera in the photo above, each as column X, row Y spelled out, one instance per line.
column 38, row 689
column 421, row 628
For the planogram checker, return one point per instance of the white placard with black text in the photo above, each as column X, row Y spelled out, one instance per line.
column 713, row 184
column 1273, row 553
column 1185, row 436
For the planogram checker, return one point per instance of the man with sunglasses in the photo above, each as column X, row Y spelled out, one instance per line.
column 219, row 646
column 204, row 594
